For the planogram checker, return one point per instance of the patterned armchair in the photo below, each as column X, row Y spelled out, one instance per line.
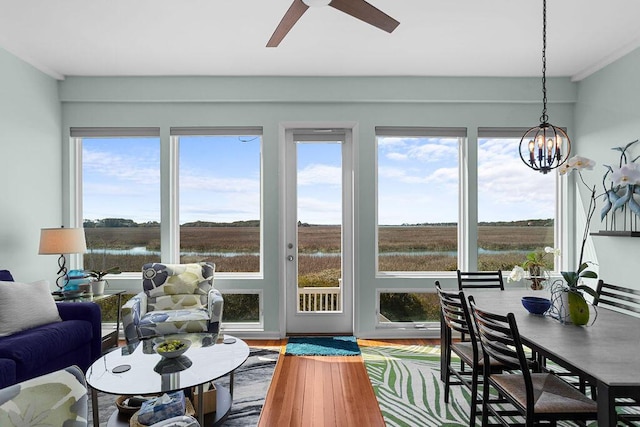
column 176, row 298
column 57, row 399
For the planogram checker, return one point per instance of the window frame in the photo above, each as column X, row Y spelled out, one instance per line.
column 560, row 188
column 209, row 131
column 427, row 326
column 76, row 136
column 423, row 132
column 245, row 326
column 169, row 189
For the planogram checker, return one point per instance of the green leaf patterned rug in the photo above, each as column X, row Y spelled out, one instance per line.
column 406, row 381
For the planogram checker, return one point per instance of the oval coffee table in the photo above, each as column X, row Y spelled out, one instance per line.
column 136, row 369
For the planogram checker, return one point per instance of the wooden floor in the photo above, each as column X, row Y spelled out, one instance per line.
column 322, row 391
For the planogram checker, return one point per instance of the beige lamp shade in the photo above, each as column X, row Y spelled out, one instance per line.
column 57, row 241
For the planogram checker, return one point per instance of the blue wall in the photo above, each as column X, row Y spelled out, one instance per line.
column 30, row 167
column 608, row 115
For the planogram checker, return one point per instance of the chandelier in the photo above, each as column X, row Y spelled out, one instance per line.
column 544, row 147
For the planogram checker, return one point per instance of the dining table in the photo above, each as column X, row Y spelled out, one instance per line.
column 606, row 353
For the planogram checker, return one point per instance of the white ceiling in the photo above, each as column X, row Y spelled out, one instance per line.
column 228, row 37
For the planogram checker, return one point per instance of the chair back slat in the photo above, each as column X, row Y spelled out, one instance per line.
column 499, row 338
column 453, row 314
column 609, row 295
column 455, row 311
column 480, row 280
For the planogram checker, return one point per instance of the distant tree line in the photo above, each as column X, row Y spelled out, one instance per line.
column 117, row 222
column 129, row 223
column 520, row 223
column 123, row 223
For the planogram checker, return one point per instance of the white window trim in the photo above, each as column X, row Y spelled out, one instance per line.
column 421, row 132
column 176, row 133
column 169, row 185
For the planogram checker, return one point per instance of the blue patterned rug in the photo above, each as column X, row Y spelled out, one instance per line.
column 322, row 346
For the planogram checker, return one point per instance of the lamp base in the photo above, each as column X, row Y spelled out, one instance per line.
column 62, row 273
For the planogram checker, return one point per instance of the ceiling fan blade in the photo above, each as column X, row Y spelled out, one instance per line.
column 365, row 12
column 296, row 10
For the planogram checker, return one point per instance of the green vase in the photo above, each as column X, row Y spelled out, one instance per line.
column 578, row 309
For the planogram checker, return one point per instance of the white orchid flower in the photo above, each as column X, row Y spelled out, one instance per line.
column 564, row 168
column 579, row 163
column 628, row 174
column 516, row 274
column 550, row 250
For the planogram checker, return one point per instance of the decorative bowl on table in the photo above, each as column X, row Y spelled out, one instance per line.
column 172, row 348
column 536, row 305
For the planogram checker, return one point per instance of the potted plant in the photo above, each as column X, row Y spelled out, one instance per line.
column 98, row 283
column 577, row 305
column 537, row 265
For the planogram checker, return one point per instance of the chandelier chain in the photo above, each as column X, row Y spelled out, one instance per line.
column 544, row 118
column 544, row 147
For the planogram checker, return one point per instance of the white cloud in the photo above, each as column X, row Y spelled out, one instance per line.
column 317, row 211
column 421, row 149
column 221, row 185
column 109, row 166
column 399, row 157
column 507, row 188
column 391, row 142
column 417, row 176
column 320, row 174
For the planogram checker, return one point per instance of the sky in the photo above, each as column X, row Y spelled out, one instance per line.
column 219, row 179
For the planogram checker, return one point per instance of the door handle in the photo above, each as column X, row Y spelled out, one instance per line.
column 290, row 257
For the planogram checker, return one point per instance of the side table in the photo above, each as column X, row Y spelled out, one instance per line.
column 109, row 335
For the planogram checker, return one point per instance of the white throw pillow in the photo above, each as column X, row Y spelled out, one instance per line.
column 26, row 305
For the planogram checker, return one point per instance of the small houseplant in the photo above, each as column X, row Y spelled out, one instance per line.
column 98, row 283
column 536, row 264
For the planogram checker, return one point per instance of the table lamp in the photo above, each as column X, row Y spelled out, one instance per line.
column 60, row 241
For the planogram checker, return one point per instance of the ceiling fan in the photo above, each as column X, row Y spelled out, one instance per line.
column 357, row 8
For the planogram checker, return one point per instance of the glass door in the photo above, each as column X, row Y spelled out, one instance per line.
column 318, row 265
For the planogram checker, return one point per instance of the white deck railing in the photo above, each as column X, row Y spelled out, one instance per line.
column 320, row 299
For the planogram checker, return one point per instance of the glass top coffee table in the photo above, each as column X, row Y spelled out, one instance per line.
column 136, row 369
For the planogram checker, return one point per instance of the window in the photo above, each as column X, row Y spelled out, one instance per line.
column 417, row 206
column 120, row 196
column 516, row 205
column 402, row 308
column 243, row 309
column 219, row 197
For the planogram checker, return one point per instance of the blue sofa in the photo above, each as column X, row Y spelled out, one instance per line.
column 77, row 340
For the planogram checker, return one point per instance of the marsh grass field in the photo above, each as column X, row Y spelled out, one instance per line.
column 235, row 249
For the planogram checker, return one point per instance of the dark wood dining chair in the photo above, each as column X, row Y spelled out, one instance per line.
column 527, row 393
column 625, row 300
column 617, row 297
column 480, row 280
column 456, row 317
